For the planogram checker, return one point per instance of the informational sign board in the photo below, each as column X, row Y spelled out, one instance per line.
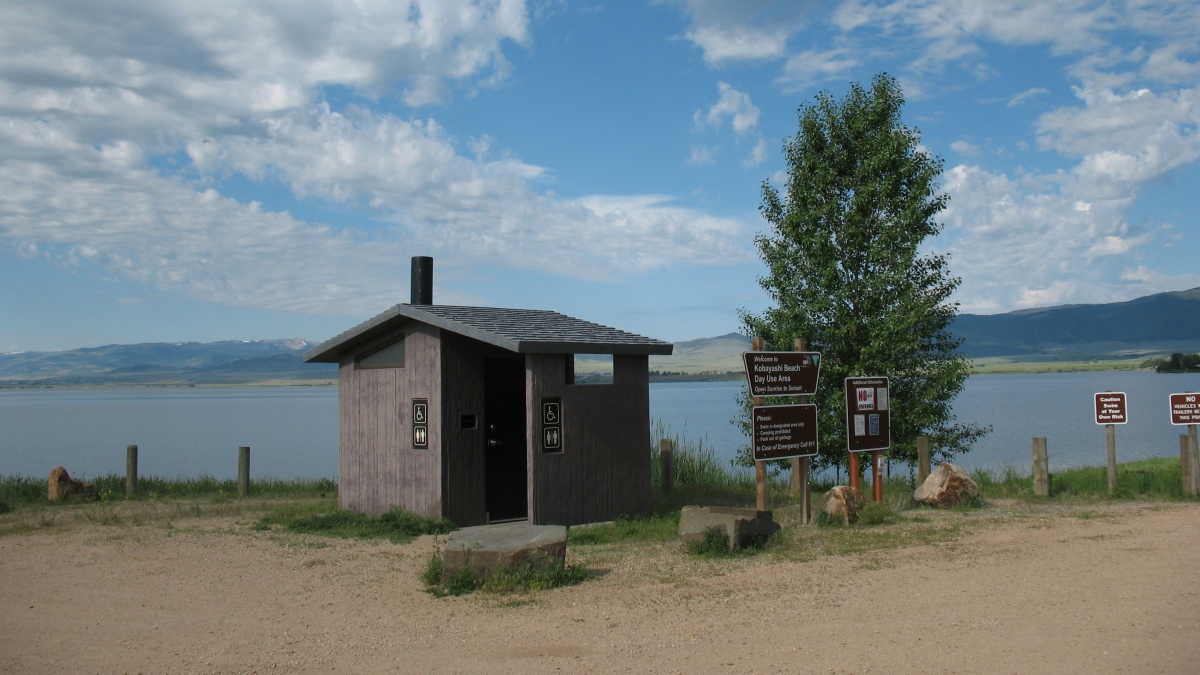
column 1185, row 408
column 1110, row 408
column 784, row 431
column 782, row 373
column 868, row 414
column 552, row 425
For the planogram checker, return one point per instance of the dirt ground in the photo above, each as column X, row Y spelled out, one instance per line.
column 1102, row 589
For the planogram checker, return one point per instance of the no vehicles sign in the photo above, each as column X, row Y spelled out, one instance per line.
column 1185, row 408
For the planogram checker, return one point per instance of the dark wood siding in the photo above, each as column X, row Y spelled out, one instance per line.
column 378, row 468
column 604, row 469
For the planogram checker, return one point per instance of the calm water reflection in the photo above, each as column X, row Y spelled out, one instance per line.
column 292, row 431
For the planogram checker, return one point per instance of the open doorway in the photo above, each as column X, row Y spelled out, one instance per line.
column 507, row 464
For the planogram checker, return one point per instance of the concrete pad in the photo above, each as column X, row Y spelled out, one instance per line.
column 487, row 548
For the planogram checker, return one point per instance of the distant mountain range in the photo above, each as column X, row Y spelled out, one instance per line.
column 1156, row 324
column 1153, row 325
column 172, row 363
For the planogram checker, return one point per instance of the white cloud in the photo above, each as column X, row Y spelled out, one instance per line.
column 116, row 149
column 161, row 232
column 1124, row 140
column 811, row 67
column 740, row 30
column 702, row 155
column 964, row 148
column 758, row 155
column 733, row 105
column 1026, row 95
column 736, row 107
column 950, row 30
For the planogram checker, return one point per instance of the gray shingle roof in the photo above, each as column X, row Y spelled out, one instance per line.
column 522, row 331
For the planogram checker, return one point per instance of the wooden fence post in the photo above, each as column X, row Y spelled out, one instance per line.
column 1195, row 455
column 243, row 471
column 666, row 464
column 761, row 482
column 802, row 466
column 923, row 459
column 1041, row 468
column 131, row 471
column 1189, row 462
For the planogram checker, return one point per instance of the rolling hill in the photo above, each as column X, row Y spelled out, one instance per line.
column 1153, row 325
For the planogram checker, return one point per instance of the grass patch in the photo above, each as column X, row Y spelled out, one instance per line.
column 694, row 463
column 397, row 525
column 715, row 544
column 18, row 491
column 507, row 581
column 1000, row 364
column 1156, row 478
column 658, row 528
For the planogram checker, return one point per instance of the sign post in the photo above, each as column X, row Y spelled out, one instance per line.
column 1185, row 411
column 1111, row 410
column 802, row 466
column 868, row 426
column 787, row 431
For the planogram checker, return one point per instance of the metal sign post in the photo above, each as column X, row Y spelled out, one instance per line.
column 868, row 425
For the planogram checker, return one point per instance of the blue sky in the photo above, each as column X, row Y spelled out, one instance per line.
column 178, row 171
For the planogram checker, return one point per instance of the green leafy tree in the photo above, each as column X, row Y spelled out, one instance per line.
column 846, row 273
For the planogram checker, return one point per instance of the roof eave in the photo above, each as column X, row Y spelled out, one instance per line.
column 331, row 350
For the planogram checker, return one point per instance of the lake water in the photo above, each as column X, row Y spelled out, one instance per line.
column 292, row 431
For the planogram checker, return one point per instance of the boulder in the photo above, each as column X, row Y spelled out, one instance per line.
column 844, row 501
column 61, row 485
column 947, row 486
column 742, row 527
column 488, row 548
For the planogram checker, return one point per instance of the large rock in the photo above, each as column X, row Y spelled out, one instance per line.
column 947, row 486
column 742, row 527
column 488, row 548
column 61, row 485
column 845, row 502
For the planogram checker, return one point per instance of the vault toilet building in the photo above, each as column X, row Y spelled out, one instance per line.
column 472, row 414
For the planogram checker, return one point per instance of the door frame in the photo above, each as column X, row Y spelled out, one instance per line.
column 506, row 439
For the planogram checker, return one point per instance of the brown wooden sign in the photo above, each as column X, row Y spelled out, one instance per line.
column 1185, row 408
column 1110, row 408
column 868, row 414
column 784, row 431
column 782, row 373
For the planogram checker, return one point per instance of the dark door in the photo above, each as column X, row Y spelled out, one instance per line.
column 507, row 472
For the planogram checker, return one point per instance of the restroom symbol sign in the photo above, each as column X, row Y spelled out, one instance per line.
column 420, row 423
column 552, row 440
